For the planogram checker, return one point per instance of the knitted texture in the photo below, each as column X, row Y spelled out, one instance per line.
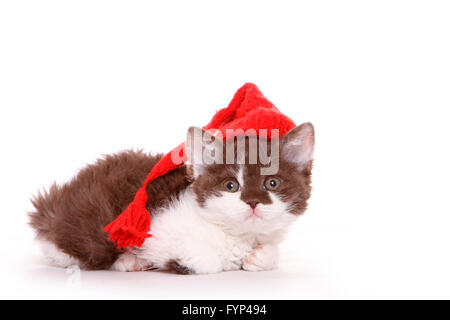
column 248, row 109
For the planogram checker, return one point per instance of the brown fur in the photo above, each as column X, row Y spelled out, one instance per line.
column 175, row 267
column 72, row 216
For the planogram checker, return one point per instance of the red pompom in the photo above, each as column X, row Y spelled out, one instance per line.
column 132, row 226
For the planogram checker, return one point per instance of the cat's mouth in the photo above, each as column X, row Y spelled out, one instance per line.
column 253, row 215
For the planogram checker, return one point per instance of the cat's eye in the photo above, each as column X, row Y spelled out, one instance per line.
column 272, row 183
column 231, row 185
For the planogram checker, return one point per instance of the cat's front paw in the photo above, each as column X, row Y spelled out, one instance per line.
column 261, row 258
column 128, row 262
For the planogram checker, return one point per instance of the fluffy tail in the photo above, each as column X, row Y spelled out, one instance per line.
column 45, row 207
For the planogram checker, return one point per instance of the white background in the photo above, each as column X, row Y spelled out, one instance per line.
column 83, row 78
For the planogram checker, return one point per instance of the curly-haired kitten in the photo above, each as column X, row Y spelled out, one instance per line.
column 205, row 217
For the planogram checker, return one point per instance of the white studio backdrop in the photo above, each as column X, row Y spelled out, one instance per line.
column 85, row 78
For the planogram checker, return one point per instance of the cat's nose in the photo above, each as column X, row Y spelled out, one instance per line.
column 252, row 203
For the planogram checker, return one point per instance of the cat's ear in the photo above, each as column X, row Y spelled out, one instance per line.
column 203, row 148
column 297, row 145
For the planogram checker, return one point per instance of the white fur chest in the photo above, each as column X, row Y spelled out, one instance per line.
column 180, row 233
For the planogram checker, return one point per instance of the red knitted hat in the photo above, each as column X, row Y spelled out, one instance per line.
column 249, row 109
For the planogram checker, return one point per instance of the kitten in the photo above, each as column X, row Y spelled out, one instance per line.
column 206, row 217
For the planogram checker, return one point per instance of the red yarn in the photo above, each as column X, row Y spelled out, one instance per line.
column 248, row 109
